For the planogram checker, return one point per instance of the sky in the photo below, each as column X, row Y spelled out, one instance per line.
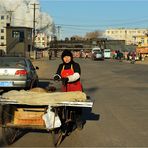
column 77, row 17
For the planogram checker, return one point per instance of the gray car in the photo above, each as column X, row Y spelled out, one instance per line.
column 17, row 73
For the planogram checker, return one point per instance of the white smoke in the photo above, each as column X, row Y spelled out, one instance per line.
column 22, row 14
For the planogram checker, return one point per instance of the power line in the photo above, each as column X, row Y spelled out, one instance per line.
column 103, row 25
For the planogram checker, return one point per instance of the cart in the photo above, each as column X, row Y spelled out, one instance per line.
column 17, row 118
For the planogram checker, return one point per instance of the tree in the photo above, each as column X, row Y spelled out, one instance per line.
column 76, row 37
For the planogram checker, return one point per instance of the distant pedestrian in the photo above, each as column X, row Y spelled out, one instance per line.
column 50, row 54
column 133, row 57
column 140, row 57
column 128, row 56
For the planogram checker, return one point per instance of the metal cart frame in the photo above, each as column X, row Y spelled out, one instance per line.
column 67, row 112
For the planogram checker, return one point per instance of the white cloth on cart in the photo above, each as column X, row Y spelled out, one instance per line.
column 51, row 120
column 44, row 98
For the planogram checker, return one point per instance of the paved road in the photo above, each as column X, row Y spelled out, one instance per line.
column 120, row 113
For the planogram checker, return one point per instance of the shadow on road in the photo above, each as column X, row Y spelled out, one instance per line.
column 88, row 115
column 18, row 135
column 91, row 90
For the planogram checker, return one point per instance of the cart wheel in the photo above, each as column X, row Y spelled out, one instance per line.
column 57, row 137
column 8, row 134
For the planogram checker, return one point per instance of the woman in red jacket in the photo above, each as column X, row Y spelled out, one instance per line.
column 69, row 72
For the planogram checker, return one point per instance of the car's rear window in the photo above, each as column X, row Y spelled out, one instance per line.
column 98, row 51
column 12, row 62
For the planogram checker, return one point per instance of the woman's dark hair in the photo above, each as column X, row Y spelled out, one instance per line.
column 66, row 53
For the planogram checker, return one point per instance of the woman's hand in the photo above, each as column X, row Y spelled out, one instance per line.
column 65, row 81
column 57, row 78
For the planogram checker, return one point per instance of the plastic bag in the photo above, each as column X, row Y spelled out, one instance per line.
column 51, row 121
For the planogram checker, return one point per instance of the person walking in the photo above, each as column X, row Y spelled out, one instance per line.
column 133, row 59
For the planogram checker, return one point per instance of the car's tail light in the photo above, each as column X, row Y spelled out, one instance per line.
column 21, row 72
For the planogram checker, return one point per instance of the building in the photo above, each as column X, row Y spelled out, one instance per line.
column 18, row 41
column 87, row 45
column 142, row 40
column 125, row 34
column 142, row 48
column 4, row 20
column 42, row 40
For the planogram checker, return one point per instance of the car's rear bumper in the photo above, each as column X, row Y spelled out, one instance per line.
column 13, row 84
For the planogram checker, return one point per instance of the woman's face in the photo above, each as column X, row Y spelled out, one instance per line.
column 67, row 59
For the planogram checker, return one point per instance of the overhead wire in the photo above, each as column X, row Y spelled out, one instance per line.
column 87, row 27
column 103, row 25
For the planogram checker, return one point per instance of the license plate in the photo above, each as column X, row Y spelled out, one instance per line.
column 4, row 84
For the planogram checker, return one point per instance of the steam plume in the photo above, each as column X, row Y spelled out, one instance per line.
column 21, row 13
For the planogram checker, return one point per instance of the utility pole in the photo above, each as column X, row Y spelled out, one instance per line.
column 58, row 32
column 34, row 21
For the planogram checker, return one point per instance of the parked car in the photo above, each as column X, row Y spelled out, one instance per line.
column 17, row 73
column 97, row 54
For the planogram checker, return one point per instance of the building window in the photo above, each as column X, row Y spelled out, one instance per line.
column 142, row 40
column 2, row 30
column 2, row 17
column 2, row 37
column 2, row 44
column 19, row 35
column 15, row 34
